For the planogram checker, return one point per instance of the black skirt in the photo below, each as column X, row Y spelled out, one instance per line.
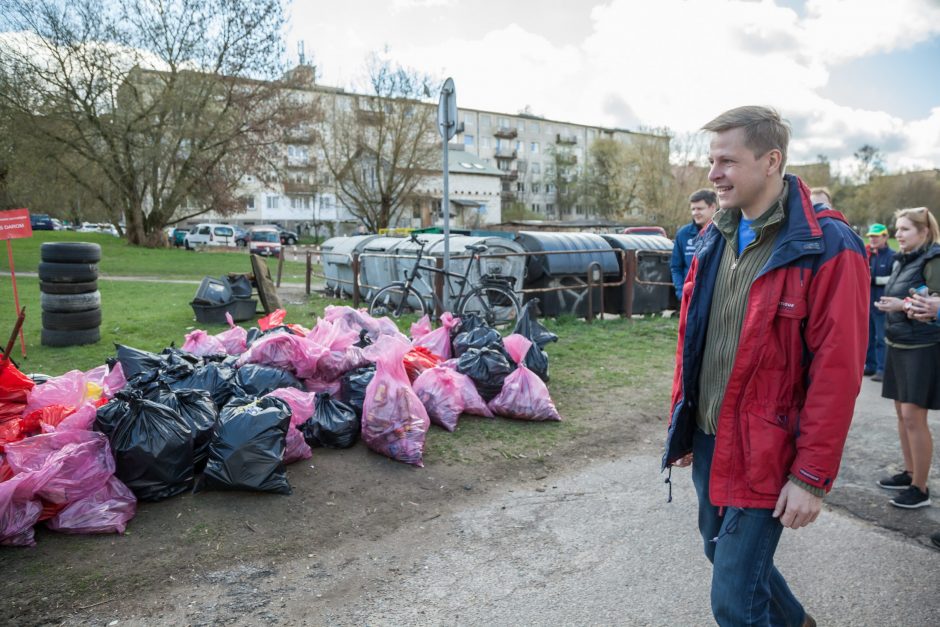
column 912, row 375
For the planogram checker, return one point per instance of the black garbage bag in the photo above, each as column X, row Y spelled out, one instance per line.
column 488, row 367
column 352, row 389
column 197, row 409
column 253, row 334
column 258, row 380
column 480, row 337
column 135, row 361
column 247, row 448
column 529, row 326
column 174, row 356
column 216, row 379
column 334, row 424
column 364, row 339
column 152, row 445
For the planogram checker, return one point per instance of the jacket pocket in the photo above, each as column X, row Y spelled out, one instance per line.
column 769, row 448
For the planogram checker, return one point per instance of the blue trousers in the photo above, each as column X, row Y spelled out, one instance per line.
column 875, row 358
column 747, row 589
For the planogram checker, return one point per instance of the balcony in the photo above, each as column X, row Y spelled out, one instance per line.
column 294, row 187
column 506, row 133
column 506, row 153
column 510, row 175
column 566, row 139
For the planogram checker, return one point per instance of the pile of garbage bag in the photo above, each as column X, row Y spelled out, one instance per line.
column 230, row 411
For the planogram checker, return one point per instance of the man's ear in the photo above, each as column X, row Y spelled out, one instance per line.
column 774, row 161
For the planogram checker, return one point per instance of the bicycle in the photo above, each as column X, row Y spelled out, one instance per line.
column 493, row 299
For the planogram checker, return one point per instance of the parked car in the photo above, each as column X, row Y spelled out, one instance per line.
column 57, row 225
column 41, row 222
column 241, row 236
column 264, row 241
column 645, row 230
column 288, row 238
column 207, row 234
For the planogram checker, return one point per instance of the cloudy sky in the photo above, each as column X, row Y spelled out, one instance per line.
column 844, row 72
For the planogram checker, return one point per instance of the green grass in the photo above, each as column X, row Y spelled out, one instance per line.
column 118, row 258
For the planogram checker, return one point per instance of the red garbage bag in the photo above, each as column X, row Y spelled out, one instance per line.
column 14, row 390
column 273, row 319
column 523, row 395
column 49, row 416
column 417, row 360
column 446, row 394
column 394, row 422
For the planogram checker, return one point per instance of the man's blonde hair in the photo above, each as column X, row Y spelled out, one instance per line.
column 764, row 130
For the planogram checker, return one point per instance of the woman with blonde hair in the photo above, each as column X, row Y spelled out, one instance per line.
column 912, row 363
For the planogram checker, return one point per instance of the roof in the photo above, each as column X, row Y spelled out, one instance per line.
column 463, row 162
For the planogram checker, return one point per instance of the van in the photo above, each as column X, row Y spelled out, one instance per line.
column 209, row 235
column 264, row 241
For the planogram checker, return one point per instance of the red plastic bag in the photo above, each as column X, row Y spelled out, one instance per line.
column 10, row 431
column 394, row 422
column 14, row 390
column 446, row 394
column 234, row 339
column 50, row 416
column 273, row 319
column 81, row 420
column 420, row 328
column 524, row 395
column 438, row 340
column 417, row 360
column 200, row 344
column 301, row 408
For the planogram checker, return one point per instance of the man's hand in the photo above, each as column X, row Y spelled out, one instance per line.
column 682, row 462
column 889, row 303
column 796, row 507
column 924, row 308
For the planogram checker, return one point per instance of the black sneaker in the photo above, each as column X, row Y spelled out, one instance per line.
column 868, row 372
column 912, row 498
column 900, row 481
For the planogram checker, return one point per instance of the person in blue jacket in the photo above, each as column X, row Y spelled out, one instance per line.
column 703, row 205
column 880, row 262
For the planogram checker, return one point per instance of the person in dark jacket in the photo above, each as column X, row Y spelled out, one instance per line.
column 880, row 262
column 912, row 363
column 772, row 333
column 703, row 204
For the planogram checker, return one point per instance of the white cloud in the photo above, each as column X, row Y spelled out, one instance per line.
column 407, row 5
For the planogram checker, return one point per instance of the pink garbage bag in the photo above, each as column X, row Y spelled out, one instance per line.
column 421, row 328
column 19, row 511
column 104, row 510
column 524, row 395
column 281, row 350
column 394, row 422
column 446, row 394
column 338, row 355
column 438, row 341
column 315, row 385
column 200, row 344
column 301, row 408
column 115, row 381
column 68, row 390
column 234, row 340
column 357, row 320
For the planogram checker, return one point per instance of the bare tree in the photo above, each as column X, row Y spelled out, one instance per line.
column 167, row 103
column 378, row 147
column 563, row 176
column 610, row 180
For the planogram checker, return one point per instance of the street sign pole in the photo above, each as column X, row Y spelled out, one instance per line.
column 447, row 125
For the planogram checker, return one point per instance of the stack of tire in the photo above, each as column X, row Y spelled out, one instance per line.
column 71, row 302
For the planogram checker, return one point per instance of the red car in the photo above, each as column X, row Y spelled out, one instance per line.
column 645, row 230
column 264, row 241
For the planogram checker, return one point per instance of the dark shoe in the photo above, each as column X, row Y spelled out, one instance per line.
column 809, row 621
column 869, row 372
column 900, row 481
column 878, row 377
column 935, row 538
column 912, row 498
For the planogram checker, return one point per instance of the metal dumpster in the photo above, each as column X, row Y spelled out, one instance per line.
column 375, row 272
column 652, row 256
column 337, row 262
column 567, row 270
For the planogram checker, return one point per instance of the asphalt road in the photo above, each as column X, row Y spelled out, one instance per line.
column 597, row 546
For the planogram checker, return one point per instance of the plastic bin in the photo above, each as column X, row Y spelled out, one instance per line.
column 240, row 309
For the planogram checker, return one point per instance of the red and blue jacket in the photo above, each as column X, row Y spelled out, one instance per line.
column 798, row 369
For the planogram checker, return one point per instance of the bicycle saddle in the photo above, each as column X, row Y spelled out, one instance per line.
column 477, row 248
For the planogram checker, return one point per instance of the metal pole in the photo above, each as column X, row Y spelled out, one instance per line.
column 355, row 286
column 446, row 207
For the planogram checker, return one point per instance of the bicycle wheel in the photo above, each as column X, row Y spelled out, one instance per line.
column 396, row 300
column 497, row 305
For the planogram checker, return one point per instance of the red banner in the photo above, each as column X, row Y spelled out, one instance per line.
column 14, row 224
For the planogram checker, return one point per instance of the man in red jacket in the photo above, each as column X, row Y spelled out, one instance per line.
column 772, row 338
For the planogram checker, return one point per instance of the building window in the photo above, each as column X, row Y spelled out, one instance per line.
column 274, row 202
column 484, row 142
column 499, row 143
column 549, row 188
column 519, row 145
column 250, row 202
column 520, row 126
column 536, row 187
column 484, row 120
column 503, row 123
column 536, row 167
column 467, row 120
column 549, row 207
column 534, row 127
column 468, row 140
column 520, row 186
column 534, row 148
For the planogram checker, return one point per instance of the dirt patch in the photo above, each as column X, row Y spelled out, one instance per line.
column 339, row 497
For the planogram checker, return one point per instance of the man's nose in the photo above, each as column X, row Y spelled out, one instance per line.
column 713, row 173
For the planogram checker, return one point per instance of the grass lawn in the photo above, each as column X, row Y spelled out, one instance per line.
column 118, row 258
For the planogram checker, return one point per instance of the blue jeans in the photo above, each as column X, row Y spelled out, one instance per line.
column 747, row 589
column 875, row 358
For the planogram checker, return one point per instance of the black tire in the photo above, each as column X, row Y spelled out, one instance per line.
column 67, row 288
column 53, row 338
column 290, row 241
column 397, row 300
column 71, row 321
column 497, row 305
column 67, row 272
column 70, row 252
column 66, row 303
